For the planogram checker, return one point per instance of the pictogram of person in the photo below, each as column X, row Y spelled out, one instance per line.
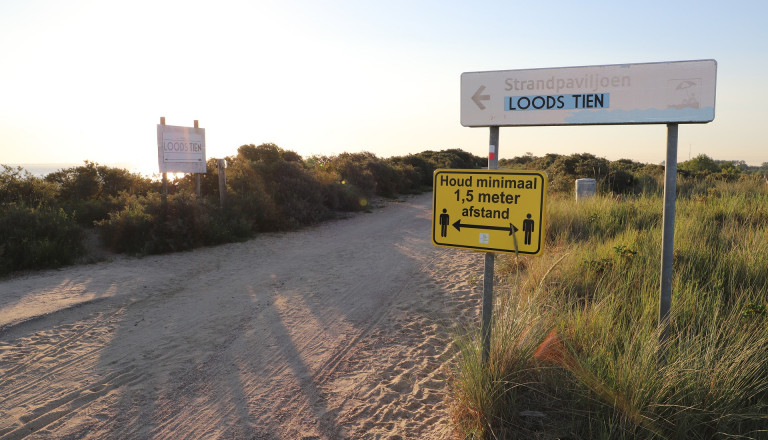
column 444, row 221
column 528, row 229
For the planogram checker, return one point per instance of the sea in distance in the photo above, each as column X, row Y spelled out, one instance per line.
column 43, row 169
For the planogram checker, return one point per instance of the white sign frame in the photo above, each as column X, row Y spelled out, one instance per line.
column 679, row 92
column 181, row 149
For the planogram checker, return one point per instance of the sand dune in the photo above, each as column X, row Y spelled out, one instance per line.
column 337, row 331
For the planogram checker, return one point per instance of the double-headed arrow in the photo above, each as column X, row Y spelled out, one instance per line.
column 512, row 229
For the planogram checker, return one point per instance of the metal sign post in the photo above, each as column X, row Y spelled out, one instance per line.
column 493, row 164
column 487, row 305
column 668, row 237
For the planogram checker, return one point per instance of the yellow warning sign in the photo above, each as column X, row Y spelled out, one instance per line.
column 489, row 210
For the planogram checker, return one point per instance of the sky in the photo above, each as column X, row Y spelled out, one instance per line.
column 90, row 79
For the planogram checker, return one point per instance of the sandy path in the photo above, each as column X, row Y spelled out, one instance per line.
column 336, row 331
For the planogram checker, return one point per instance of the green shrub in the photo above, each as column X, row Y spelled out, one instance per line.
column 566, row 169
column 296, row 193
column 147, row 225
column 453, row 158
column 128, row 230
column 268, row 153
column 274, row 194
column 88, row 212
column 420, row 169
column 355, row 169
column 37, row 238
column 93, row 181
column 19, row 186
column 408, row 178
column 620, row 180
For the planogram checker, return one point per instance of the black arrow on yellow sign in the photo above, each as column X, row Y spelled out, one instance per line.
column 512, row 229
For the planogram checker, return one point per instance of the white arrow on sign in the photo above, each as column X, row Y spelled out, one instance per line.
column 478, row 98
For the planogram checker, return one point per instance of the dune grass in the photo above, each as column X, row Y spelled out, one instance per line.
column 575, row 340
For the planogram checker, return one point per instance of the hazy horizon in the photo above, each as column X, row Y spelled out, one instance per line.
column 43, row 169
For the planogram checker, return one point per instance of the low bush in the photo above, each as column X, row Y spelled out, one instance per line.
column 37, row 238
column 148, row 225
column 128, row 230
column 20, row 187
column 272, row 189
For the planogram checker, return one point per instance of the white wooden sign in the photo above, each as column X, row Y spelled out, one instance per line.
column 180, row 149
